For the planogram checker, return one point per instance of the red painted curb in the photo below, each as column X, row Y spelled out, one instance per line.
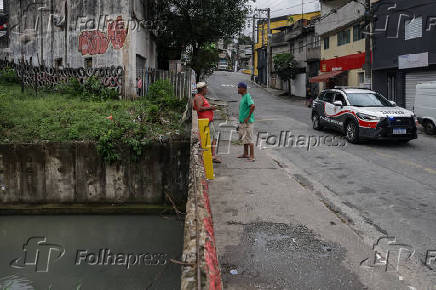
column 214, row 271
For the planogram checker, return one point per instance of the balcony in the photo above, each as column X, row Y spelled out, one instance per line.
column 278, row 39
column 313, row 53
column 343, row 16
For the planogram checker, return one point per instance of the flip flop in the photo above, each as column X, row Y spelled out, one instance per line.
column 251, row 160
column 216, row 160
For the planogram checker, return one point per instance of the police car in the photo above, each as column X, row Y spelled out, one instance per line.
column 362, row 114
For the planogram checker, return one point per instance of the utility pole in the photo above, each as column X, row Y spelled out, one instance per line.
column 368, row 24
column 252, row 47
column 269, row 50
column 237, row 54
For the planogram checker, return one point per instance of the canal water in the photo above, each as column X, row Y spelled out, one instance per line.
column 90, row 252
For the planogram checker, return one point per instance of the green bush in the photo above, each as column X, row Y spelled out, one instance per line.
column 160, row 90
column 9, row 76
column 91, row 90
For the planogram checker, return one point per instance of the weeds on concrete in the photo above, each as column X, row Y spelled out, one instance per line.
column 111, row 124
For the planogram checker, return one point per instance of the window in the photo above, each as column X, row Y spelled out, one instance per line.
column 357, row 32
column 413, row 28
column 326, row 42
column 317, row 40
column 328, row 97
column 88, row 62
column 300, row 46
column 344, row 37
column 341, row 98
column 1, row 5
column 368, row 100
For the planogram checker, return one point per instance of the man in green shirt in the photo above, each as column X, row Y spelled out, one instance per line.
column 246, row 121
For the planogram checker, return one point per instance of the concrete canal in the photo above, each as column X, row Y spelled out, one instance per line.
column 90, row 252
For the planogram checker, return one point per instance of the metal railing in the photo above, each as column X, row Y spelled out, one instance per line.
column 181, row 81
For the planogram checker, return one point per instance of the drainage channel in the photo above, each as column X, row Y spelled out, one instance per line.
column 90, row 251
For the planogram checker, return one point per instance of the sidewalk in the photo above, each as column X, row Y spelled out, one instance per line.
column 277, row 234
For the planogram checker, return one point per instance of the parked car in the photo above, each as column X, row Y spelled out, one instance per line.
column 425, row 106
column 222, row 65
column 362, row 114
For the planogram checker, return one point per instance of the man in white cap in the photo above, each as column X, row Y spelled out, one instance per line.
column 206, row 111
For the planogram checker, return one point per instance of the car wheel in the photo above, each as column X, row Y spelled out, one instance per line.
column 316, row 122
column 352, row 132
column 429, row 127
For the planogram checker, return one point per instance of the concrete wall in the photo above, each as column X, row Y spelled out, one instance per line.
column 299, row 85
column 346, row 13
column 43, row 34
column 74, row 173
column 389, row 39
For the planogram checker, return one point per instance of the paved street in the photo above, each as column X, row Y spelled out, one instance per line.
column 380, row 188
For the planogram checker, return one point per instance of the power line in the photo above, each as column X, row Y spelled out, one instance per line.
column 297, row 5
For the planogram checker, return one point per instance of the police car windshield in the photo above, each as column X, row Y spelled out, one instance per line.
column 368, row 100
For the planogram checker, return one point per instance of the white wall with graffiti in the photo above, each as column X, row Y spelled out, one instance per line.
column 80, row 33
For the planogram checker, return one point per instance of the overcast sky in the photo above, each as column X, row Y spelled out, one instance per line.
column 285, row 7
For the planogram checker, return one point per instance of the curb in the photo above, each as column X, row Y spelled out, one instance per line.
column 201, row 268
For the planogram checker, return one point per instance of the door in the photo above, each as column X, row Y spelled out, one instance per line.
column 329, row 108
column 339, row 112
column 412, row 79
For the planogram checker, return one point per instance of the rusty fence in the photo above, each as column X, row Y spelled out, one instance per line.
column 39, row 77
column 181, row 81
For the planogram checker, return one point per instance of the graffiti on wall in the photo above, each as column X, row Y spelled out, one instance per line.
column 93, row 42
column 97, row 42
column 49, row 77
column 117, row 33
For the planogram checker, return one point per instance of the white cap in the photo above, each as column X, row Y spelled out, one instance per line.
column 201, row 85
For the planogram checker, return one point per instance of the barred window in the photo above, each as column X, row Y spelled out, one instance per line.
column 357, row 32
column 326, row 42
column 344, row 37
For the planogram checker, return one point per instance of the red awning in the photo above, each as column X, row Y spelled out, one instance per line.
column 324, row 77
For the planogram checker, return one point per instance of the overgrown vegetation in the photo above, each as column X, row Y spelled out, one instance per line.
column 91, row 90
column 8, row 76
column 206, row 60
column 89, row 112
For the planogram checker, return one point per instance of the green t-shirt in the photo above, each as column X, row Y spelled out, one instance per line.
column 244, row 108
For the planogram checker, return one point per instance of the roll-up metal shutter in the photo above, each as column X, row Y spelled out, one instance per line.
column 412, row 79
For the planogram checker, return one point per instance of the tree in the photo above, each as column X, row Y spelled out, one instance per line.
column 196, row 23
column 245, row 40
column 206, row 59
column 286, row 68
